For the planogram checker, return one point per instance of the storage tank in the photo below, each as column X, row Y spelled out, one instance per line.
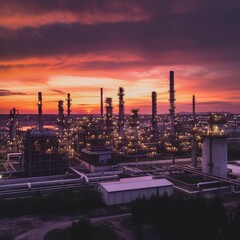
column 214, row 150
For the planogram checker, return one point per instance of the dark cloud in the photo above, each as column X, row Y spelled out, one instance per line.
column 114, row 65
column 46, row 6
column 216, row 106
column 206, row 32
column 96, row 11
column 4, row 92
column 58, row 91
column 154, row 7
column 219, row 105
column 22, row 66
column 94, row 37
column 214, row 103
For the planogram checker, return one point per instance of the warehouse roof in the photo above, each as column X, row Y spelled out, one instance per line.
column 135, row 183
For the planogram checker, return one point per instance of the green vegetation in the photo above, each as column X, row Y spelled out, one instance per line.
column 193, row 219
column 82, row 229
column 58, row 202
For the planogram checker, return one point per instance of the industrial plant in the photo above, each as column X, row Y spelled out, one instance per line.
column 126, row 155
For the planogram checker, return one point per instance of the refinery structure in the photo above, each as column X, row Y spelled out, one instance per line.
column 157, row 152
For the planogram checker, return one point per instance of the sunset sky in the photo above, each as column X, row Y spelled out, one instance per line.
column 78, row 46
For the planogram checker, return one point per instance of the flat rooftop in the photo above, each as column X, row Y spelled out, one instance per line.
column 235, row 167
column 127, row 184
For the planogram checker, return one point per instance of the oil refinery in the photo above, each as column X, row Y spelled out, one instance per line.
column 188, row 152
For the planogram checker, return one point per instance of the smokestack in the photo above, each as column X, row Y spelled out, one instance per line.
column 109, row 121
column 60, row 110
column 154, row 104
column 134, row 118
column 194, row 110
column 154, row 115
column 60, row 117
column 40, row 119
column 68, row 105
column 194, row 132
column 154, row 110
column 121, row 112
column 101, row 102
column 134, row 123
column 13, row 128
column 172, row 114
column 172, row 105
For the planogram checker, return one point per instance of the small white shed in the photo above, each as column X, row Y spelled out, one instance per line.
column 129, row 189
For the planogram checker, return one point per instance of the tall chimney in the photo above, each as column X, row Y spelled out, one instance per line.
column 172, row 114
column 101, row 121
column 194, row 132
column 68, row 105
column 101, row 103
column 121, row 119
column 13, row 128
column 194, row 110
column 60, row 117
column 40, row 119
column 109, row 120
column 134, row 124
column 154, row 115
column 172, row 105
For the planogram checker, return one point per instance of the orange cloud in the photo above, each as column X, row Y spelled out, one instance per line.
column 62, row 75
column 63, row 46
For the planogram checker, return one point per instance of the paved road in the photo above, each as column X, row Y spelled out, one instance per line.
column 38, row 233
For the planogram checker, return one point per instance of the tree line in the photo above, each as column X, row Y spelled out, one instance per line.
column 57, row 202
column 186, row 219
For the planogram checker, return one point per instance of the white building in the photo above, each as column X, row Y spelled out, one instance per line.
column 214, row 150
column 99, row 155
column 129, row 189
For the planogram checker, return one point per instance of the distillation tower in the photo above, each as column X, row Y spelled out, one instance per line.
column 69, row 106
column 40, row 118
column 154, row 117
column 172, row 105
column 41, row 156
column 101, row 109
column 13, row 128
column 194, row 133
column 121, row 119
column 172, row 114
column 109, row 121
column 134, row 124
column 60, row 118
